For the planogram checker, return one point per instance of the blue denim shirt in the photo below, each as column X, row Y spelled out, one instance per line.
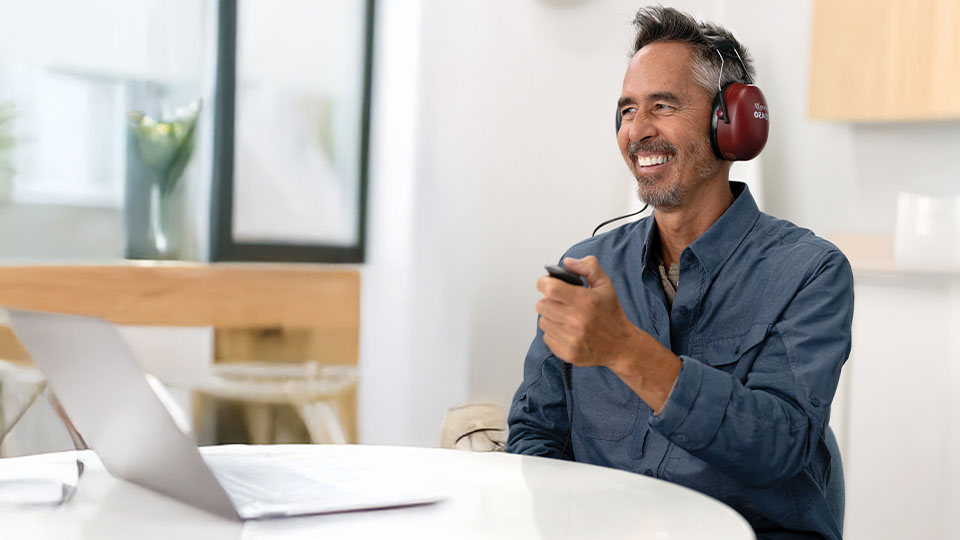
column 761, row 322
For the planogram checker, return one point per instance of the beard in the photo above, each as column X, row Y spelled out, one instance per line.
column 660, row 195
column 661, row 191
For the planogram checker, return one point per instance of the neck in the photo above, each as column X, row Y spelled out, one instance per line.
column 679, row 227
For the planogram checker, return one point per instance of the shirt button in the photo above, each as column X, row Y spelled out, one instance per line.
column 815, row 402
column 690, row 258
column 681, row 438
column 684, row 310
column 648, row 472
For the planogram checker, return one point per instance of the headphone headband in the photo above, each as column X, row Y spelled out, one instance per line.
column 741, row 106
column 723, row 44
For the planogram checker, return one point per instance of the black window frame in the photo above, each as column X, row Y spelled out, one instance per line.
column 223, row 247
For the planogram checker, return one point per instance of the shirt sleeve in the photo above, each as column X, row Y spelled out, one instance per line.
column 765, row 429
column 538, row 421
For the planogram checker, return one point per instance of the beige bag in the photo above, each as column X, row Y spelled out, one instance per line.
column 479, row 427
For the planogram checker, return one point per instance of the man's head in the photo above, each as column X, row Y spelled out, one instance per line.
column 666, row 102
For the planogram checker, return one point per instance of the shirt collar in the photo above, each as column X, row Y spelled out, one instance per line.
column 714, row 246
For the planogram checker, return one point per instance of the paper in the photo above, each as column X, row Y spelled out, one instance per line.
column 33, row 481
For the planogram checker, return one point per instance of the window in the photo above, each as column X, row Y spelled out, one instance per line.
column 73, row 76
column 292, row 129
column 147, row 129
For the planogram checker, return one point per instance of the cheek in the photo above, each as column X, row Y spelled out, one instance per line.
column 700, row 148
column 692, row 141
column 623, row 139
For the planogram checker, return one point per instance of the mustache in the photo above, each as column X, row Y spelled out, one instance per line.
column 652, row 147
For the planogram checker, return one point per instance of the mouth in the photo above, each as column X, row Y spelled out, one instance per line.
column 653, row 162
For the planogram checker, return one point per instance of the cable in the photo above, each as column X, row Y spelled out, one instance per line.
column 568, row 391
column 618, row 219
column 567, row 368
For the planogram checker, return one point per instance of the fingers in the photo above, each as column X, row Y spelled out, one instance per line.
column 588, row 267
column 559, row 328
column 556, row 346
column 563, row 329
column 551, row 309
column 560, row 341
column 566, row 310
column 558, row 290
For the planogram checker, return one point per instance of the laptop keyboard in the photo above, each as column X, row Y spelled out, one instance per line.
column 267, row 489
column 266, row 486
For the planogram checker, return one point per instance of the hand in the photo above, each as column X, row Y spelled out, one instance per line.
column 585, row 326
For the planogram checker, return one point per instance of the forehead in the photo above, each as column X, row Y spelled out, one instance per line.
column 662, row 66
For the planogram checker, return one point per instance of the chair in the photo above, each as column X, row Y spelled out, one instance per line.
column 308, row 388
column 836, row 497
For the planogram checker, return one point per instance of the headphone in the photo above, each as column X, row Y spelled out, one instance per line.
column 740, row 120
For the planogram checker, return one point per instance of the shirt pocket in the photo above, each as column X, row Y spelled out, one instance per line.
column 603, row 406
column 727, row 351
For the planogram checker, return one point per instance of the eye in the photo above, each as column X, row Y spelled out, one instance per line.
column 662, row 107
column 627, row 111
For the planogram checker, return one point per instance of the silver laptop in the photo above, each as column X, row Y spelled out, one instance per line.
column 94, row 375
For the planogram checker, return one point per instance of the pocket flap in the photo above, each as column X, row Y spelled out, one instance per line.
column 727, row 350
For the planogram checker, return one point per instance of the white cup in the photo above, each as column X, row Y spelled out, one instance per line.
column 928, row 230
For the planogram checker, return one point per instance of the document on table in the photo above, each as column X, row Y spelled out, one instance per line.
column 36, row 481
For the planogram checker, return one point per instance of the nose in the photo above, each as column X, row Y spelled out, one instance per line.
column 640, row 128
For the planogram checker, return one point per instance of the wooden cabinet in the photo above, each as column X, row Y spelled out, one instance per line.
column 885, row 60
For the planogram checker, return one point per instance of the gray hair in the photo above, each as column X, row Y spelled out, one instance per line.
column 657, row 24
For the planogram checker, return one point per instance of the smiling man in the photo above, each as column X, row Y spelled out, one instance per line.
column 707, row 346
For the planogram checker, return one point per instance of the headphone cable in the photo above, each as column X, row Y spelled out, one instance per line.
column 567, row 368
column 618, row 218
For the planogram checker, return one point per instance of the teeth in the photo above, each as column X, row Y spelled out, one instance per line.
column 653, row 160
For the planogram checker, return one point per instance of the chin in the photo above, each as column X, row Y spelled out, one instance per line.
column 660, row 197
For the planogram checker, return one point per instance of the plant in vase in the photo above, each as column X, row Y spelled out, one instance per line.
column 158, row 152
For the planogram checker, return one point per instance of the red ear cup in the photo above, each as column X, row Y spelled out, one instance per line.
column 744, row 135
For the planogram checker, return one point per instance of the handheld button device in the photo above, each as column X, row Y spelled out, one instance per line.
column 562, row 273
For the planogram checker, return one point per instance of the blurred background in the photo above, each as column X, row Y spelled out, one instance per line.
column 442, row 152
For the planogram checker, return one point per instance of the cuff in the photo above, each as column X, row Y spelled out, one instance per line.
column 694, row 410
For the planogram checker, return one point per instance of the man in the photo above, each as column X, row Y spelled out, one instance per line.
column 707, row 346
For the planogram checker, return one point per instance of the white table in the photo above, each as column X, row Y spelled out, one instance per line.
column 490, row 495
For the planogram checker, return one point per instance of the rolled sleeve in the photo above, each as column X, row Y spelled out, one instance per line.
column 694, row 410
column 763, row 427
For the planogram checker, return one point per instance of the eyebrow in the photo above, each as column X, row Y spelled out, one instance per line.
column 656, row 96
column 663, row 96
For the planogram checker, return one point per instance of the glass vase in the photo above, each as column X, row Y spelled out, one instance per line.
column 156, row 207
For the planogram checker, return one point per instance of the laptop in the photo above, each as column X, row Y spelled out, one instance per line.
column 110, row 402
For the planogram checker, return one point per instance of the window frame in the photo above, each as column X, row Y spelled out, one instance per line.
column 223, row 247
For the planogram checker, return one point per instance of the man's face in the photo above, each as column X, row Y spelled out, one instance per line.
column 665, row 137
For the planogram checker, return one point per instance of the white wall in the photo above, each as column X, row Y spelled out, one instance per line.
column 520, row 152
column 902, row 461
column 515, row 160
column 414, row 321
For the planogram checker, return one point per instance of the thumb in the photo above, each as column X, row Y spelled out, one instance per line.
column 588, row 267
